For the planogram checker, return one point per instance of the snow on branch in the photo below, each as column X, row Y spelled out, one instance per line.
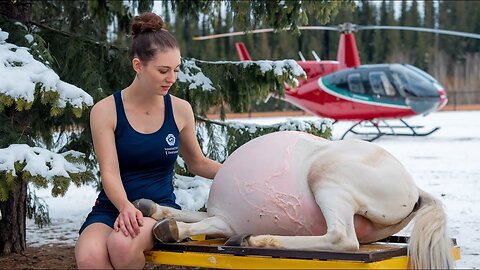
column 22, row 75
column 193, row 76
column 279, row 68
column 234, row 84
column 41, row 167
column 318, row 125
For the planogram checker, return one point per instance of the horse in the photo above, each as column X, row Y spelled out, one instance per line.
column 293, row 190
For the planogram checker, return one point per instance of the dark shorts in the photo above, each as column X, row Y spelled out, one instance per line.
column 107, row 213
column 104, row 213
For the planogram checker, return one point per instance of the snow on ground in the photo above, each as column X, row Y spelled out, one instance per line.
column 444, row 164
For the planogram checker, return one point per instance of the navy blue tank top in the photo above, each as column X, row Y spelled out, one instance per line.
column 146, row 161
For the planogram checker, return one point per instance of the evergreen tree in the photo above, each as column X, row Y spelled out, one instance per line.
column 383, row 42
column 429, row 21
column 366, row 40
column 35, row 106
column 394, row 36
column 415, row 38
column 403, row 22
column 312, row 40
column 448, row 20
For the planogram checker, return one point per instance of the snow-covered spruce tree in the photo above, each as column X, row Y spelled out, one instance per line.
column 35, row 106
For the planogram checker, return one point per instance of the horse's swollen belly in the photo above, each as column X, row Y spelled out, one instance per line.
column 263, row 187
column 266, row 192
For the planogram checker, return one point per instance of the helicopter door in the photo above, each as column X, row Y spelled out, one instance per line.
column 357, row 89
column 355, row 86
column 382, row 90
column 399, row 84
column 381, row 86
column 355, row 83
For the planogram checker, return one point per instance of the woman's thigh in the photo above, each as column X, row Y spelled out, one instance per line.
column 142, row 242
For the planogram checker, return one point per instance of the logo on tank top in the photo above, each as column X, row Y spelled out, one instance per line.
column 170, row 139
column 172, row 150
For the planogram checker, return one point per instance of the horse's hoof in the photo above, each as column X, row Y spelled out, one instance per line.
column 166, row 231
column 238, row 240
column 146, row 206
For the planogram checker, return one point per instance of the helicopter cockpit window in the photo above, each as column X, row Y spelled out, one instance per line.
column 355, row 83
column 380, row 83
column 399, row 83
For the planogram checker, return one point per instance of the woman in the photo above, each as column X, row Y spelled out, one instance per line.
column 137, row 134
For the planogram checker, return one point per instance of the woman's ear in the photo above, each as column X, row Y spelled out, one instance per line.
column 137, row 64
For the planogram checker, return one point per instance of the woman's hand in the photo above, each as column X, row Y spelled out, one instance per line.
column 129, row 220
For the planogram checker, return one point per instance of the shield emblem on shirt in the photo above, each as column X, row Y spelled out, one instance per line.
column 170, row 139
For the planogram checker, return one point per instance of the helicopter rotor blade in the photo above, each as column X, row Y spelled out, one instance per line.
column 347, row 27
column 419, row 29
column 266, row 30
column 319, row 27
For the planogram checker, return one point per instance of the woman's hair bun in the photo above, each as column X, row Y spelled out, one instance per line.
column 146, row 22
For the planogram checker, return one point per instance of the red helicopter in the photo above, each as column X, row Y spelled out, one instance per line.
column 368, row 94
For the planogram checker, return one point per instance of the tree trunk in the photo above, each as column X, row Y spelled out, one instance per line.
column 12, row 223
column 19, row 10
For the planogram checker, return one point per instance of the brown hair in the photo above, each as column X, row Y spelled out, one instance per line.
column 149, row 36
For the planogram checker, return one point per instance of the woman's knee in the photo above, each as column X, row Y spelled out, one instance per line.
column 121, row 248
column 89, row 257
column 91, row 247
column 127, row 252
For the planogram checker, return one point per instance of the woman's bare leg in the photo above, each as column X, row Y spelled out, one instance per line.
column 127, row 252
column 91, row 248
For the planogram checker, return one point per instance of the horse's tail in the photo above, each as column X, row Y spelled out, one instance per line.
column 429, row 245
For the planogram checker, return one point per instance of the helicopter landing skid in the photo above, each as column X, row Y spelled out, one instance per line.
column 382, row 128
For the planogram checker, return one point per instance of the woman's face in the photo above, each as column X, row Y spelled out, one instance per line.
column 160, row 73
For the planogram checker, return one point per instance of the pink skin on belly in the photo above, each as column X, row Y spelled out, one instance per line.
column 262, row 189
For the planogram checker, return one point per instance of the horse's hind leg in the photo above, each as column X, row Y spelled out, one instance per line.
column 338, row 210
column 150, row 209
column 169, row 230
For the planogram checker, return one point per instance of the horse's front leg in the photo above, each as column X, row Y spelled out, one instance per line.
column 150, row 209
column 169, row 230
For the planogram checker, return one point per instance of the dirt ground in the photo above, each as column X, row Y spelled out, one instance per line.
column 53, row 257
column 57, row 256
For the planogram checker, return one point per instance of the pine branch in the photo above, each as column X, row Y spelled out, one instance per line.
column 209, row 121
column 83, row 38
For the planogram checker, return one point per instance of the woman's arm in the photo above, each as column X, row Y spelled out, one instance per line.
column 193, row 156
column 102, row 123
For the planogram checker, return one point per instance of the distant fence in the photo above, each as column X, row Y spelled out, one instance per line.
column 463, row 100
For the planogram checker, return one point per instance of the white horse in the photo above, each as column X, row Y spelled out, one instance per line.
column 293, row 190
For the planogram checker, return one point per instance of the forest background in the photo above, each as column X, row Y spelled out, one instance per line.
column 89, row 39
column 454, row 61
